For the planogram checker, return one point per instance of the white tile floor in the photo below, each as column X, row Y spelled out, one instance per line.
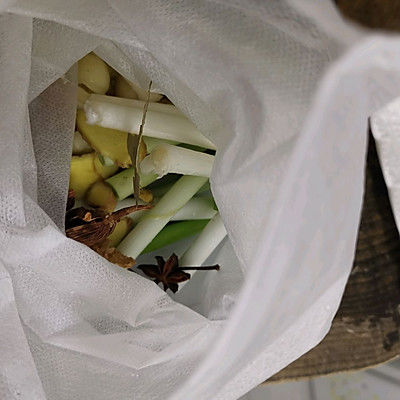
column 380, row 383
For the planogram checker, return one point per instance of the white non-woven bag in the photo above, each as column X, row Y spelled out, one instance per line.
column 284, row 89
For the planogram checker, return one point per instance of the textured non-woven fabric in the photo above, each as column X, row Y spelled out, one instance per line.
column 284, row 89
column 385, row 125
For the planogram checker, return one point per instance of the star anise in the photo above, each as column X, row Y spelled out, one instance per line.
column 169, row 273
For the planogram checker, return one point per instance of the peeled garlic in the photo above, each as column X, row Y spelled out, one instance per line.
column 166, row 159
column 124, row 89
column 82, row 97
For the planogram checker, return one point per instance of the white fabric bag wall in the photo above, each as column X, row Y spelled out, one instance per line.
column 385, row 126
column 284, row 88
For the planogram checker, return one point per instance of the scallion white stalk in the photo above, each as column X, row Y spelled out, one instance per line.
column 163, row 121
column 196, row 208
column 211, row 236
column 137, row 215
column 158, row 107
column 152, row 143
column 122, row 183
column 153, row 221
column 166, row 158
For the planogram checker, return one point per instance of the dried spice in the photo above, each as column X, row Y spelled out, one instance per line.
column 95, row 229
column 113, row 255
column 92, row 227
column 169, row 273
column 81, row 216
column 70, row 199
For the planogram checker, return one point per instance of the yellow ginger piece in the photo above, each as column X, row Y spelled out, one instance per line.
column 121, row 230
column 109, row 143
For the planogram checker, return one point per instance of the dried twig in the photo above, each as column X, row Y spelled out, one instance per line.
column 134, row 142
